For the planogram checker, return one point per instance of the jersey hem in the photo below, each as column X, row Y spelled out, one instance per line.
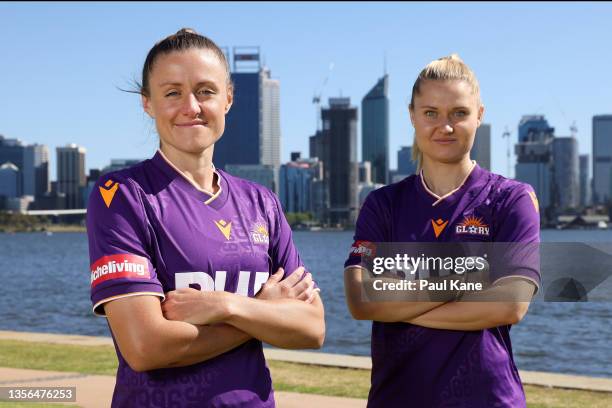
column 522, row 277
column 355, row 266
column 106, row 300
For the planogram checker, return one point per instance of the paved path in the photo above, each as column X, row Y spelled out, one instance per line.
column 96, row 391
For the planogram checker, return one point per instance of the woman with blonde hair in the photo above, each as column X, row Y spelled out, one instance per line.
column 445, row 352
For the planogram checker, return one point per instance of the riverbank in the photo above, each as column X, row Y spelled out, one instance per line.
column 52, row 228
column 315, row 373
column 16, row 222
column 48, row 227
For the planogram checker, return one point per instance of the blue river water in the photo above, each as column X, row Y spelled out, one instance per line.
column 46, row 289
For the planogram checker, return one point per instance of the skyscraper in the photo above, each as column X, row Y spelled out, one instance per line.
column 405, row 165
column 12, row 151
column 32, row 162
column 365, row 172
column 90, row 183
column 318, row 147
column 71, row 174
column 375, row 129
column 481, row 150
column 531, row 125
column 118, row 164
column 602, row 158
column 35, row 170
column 534, row 158
column 263, row 174
column 259, row 173
column 341, row 168
column 240, row 141
column 270, row 123
column 585, row 186
column 566, row 168
column 297, row 179
column 252, row 126
column 9, row 180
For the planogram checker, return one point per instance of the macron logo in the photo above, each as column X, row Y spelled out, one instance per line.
column 108, row 192
column 225, row 228
column 438, row 226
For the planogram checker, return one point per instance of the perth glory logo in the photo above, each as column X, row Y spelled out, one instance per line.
column 260, row 234
column 473, row 226
column 108, row 192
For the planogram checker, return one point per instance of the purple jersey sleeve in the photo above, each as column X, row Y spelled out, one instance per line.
column 519, row 223
column 369, row 229
column 283, row 251
column 119, row 243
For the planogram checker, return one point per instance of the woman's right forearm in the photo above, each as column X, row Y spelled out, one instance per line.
column 148, row 341
column 392, row 311
column 378, row 308
column 209, row 342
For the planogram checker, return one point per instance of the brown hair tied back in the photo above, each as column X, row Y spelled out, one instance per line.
column 184, row 39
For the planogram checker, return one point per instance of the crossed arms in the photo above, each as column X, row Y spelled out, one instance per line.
column 472, row 313
column 191, row 326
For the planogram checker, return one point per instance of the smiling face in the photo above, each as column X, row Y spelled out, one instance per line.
column 188, row 97
column 445, row 116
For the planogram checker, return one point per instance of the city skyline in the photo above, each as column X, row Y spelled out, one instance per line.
column 527, row 62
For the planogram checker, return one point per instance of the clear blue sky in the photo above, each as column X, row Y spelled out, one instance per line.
column 61, row 64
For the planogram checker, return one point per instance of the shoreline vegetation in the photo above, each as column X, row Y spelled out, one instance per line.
column 18, row 223
column 294, row 377
column 51, row 228
column 13, row 222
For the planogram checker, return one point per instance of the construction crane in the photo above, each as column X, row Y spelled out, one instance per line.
column 316, row 99
column 506, row 135
column 573, row 129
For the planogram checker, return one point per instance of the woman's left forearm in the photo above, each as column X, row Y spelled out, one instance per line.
column 285, row 323
column 472, row 315
column 476, row 311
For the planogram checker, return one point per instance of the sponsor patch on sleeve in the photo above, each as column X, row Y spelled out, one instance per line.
column 365, row 249
column 119, row 266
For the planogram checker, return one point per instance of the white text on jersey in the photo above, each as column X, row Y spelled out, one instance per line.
column 207, row 284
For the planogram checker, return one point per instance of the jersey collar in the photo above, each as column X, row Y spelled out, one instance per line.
column 452, row 196
column 188, row 185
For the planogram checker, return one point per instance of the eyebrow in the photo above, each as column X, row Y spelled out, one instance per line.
column 178, row 84
column 434, row 107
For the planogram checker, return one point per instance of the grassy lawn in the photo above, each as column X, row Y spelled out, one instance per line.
column 34, row 405
column 289, row 376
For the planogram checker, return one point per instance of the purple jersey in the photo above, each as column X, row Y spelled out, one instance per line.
column 151, row 231
column 423, row 367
